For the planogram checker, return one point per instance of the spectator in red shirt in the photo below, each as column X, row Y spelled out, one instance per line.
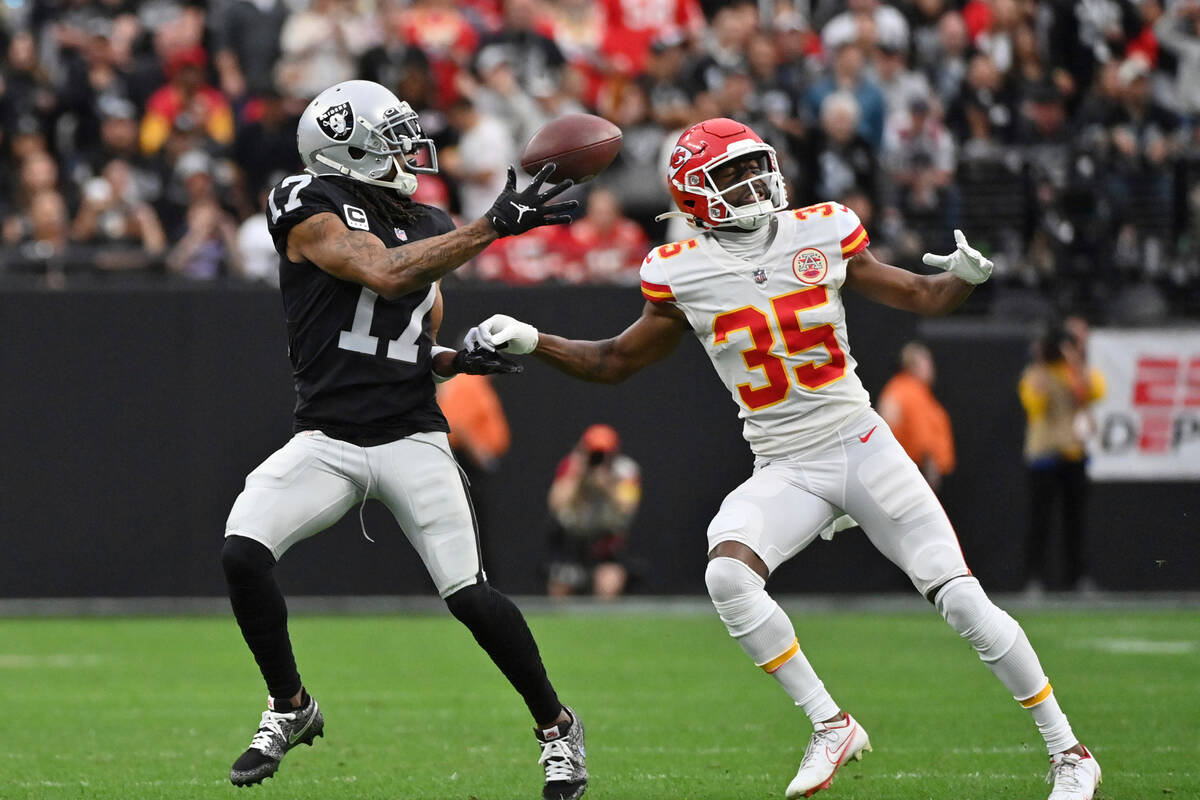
column 604, row 246
column 633, row 24
column 186, row 93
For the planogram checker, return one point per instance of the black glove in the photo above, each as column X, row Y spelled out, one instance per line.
column 478, row 361
column 516, row 212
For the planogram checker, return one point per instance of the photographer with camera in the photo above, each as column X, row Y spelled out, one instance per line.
column 593, row 499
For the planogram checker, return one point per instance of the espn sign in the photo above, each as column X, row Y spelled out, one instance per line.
column 1147, row 426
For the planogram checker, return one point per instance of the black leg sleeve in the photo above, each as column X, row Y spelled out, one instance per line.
column 498, row 626
column 261, row 612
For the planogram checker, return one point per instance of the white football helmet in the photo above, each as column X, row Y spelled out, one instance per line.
column 357, row 129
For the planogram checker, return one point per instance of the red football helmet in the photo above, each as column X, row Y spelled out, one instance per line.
column 706, row 146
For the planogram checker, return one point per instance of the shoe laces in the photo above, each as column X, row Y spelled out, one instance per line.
column 556, row 758
column 271, row 725
column 814, row 744
column 1064, row 774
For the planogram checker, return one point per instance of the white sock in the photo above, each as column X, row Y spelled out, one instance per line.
column 766, row 634
column 1051, row 721
column 788, row 664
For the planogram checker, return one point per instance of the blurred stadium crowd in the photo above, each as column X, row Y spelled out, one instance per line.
column 139, row 137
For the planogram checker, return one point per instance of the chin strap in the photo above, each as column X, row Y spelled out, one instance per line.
column 405, row 183
column 691, row 219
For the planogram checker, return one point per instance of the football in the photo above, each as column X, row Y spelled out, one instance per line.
column 581, row 145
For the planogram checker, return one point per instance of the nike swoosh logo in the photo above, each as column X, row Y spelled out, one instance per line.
column 867, row 435
column 295, row 737
column 836, row 754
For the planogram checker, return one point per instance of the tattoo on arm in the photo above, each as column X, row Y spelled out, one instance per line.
column 361, row 257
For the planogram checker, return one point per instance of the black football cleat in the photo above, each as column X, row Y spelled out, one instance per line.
column 281, row 729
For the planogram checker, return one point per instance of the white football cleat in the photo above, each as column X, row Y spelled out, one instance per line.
column 832, row 745
column 1073, row 776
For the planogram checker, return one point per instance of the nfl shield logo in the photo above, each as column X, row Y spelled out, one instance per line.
column 401, row 234
column 337, row 122
column 760, row 276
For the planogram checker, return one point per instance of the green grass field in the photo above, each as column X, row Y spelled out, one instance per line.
column 159, row 707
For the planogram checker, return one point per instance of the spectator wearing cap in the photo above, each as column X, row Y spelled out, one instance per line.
column 920, row 155
column 896, row 80
column 206, row 246
column 246, row 41
column 186, row 93
column 499, row 94
column 593, row 499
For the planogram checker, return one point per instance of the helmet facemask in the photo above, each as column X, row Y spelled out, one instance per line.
column 386, row 154
column 767, row 189
column 767, row 192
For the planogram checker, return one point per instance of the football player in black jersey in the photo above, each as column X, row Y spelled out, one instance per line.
column 359, row 263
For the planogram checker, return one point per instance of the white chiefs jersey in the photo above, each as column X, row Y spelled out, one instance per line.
column 775, row 327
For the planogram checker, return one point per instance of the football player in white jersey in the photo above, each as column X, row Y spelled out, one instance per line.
column 760, row 287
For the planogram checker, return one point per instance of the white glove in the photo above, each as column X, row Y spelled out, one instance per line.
column 502, row 332
column 966, row 262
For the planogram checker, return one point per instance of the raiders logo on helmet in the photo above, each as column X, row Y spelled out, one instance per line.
column 337, row 122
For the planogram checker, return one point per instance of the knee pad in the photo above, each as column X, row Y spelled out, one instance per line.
column 989, row 629
column 738, row 594
column 472, row 604
column 244, row 559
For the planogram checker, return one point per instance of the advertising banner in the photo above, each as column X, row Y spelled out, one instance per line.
column 1147, row 426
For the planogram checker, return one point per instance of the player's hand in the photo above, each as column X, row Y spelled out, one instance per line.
column 502, row 332
column 516, row 212
column 966, row 262
column 481, row 361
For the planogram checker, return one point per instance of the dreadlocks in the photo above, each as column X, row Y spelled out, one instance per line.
column 387, row 204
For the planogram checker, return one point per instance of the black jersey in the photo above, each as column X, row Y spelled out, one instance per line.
column 361, row 363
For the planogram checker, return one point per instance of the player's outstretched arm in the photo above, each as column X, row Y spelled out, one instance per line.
column 924, row 294
column 361, row 257
column 651, row 338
